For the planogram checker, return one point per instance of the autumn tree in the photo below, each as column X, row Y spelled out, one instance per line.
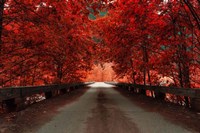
column 45, row 40
column 152, row 38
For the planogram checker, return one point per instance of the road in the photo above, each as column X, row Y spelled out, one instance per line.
column 104, row 110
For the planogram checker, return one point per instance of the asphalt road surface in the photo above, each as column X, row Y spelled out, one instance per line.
column 104, row 110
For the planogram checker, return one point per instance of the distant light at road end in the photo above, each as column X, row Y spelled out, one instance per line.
column 101, row 84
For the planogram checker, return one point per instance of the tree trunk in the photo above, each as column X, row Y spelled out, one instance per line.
column 133, row 72
column 2, row 2
column 193, row 12
column 145, row 61
column 186, row 74
column 33, row 76
column 59, row 74
column 180, row 74
column 146, row 68
column 185, row 64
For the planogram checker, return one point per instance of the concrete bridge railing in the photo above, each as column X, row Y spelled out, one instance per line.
column 13, row 97
column 160, row 92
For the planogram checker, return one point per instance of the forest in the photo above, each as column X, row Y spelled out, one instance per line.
column 60, row 41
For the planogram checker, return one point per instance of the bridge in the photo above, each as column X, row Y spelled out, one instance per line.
column 99, row 66
column 99, row 107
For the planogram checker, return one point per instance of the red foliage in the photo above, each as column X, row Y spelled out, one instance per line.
column 54, row 41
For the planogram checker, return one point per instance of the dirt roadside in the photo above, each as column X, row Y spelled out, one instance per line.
column 33, row 117
column 176, row 114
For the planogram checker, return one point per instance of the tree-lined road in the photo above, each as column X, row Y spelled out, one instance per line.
column 103, row 110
